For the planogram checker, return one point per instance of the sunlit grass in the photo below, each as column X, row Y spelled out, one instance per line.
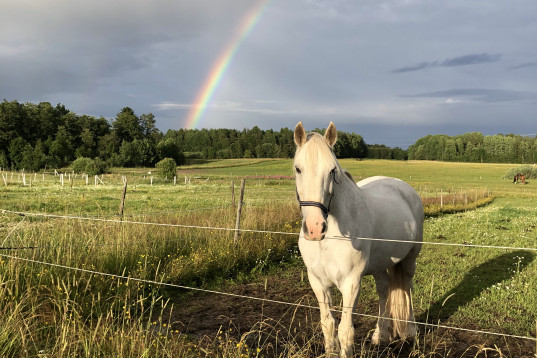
column 67, row 313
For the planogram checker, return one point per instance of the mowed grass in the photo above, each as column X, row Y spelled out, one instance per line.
column 71, row 313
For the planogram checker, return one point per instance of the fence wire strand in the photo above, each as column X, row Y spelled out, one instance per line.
column 346, row 238
column 425, row 324
column 267, row 300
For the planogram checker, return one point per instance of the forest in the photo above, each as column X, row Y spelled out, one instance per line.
column 37, row 136
column 475, row 147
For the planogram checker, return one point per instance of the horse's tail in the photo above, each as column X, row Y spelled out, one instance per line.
column 399, row 304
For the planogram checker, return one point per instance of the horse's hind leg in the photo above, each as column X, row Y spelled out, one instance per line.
column 328, row 323
column 382, row 334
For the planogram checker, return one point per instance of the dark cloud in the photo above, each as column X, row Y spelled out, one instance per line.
column 479, row 94
column 472, row 59
column 309, row 60
column 524, row 65
column 421, row 66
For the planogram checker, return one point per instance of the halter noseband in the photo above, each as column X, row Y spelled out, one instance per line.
column 317, row 204
column 321, row 206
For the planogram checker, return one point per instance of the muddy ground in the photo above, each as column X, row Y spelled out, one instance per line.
column 285, row 330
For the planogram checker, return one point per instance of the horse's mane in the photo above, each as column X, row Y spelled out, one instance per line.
column 319, row 150
column 325, row 153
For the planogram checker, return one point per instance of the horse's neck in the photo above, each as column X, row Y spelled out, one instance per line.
column 347, row 194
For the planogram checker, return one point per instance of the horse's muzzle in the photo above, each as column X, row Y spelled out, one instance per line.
column 314, row 230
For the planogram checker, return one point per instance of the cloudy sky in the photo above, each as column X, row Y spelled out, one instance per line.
column 391, row 70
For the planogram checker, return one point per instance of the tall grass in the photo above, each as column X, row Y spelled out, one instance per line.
column 68, row 313
column 52, row 312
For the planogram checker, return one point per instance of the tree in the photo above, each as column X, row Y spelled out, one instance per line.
column 4, row 162
column 137, row 153
column 450, row 150
column 130, row 154
column 87, row 148
column 11, row 114
column 127, row 126
column 16, row 150
column 61, row 149
column 168, row 148
column 265, row 150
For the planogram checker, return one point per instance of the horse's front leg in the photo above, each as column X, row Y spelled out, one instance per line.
column 350, row 291
column 328, row 323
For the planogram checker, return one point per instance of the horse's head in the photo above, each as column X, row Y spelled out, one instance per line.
column 316, row 172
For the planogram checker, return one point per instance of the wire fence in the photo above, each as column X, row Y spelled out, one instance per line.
column 170, row 285
column 260, row 299
column 217, row 228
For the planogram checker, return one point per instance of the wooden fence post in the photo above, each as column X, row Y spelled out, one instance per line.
column 233, row 193
column 239, row 209
column 122, row 205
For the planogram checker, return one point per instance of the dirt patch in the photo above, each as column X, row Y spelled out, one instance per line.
column 283, row 329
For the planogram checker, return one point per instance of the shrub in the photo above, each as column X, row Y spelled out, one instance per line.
column 529, row 171
column 89, row 166
column 79, row 165
column 166, row 168
column 96, row 167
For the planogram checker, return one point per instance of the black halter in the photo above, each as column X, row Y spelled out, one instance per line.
column 321, row 206
column 317, row 204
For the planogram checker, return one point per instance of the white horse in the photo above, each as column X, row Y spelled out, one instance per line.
column 346, row 233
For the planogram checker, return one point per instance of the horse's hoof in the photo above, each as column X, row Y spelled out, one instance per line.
column 377, row 340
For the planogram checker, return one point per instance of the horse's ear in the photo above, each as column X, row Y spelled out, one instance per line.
column 331, row 135
column 300, row 135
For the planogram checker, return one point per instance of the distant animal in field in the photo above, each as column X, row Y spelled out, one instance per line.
column 349, row 230
column 519, row 179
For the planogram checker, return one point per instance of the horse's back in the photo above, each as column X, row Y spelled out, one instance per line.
column 381, row 185
column 389, row 194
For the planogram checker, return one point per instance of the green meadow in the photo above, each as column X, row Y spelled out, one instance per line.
column 53, row 311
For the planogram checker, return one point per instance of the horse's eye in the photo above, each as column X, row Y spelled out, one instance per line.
column 297, row 170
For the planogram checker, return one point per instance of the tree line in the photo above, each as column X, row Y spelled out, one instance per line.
column 35, row 136
column 476, row 147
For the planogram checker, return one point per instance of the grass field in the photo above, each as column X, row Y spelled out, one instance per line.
column 54, row 312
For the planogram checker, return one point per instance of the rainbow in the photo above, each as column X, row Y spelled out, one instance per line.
column 221, row 64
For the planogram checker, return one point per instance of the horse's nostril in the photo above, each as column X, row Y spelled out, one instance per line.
column 324, row 228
